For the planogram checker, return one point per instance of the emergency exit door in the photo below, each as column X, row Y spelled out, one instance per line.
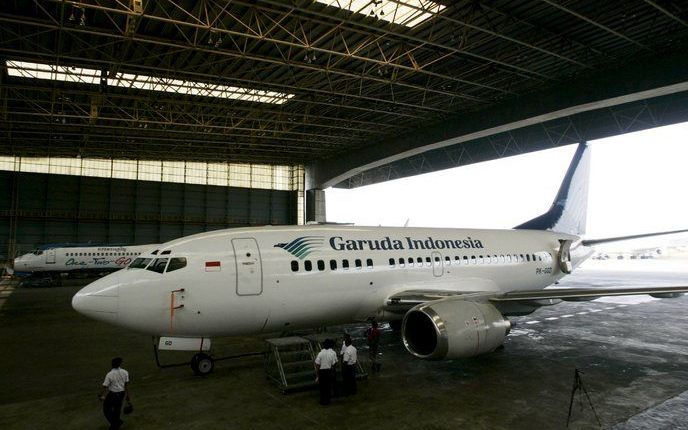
column 249, row 270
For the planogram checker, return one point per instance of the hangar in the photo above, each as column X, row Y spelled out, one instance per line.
column 139, row 121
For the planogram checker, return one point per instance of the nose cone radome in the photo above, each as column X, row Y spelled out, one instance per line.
column 19, row 264
column 99, row 299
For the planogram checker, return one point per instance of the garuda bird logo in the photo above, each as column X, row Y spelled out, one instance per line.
column 302, row 246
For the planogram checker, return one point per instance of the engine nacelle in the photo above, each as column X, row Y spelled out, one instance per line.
column 453, row 329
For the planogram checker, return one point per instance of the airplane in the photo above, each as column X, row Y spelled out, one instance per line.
column 451, row 290
column 53, row 260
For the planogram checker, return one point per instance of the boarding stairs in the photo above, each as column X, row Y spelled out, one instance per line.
column 290, row 363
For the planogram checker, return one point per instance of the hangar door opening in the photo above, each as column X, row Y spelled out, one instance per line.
column 249, row 270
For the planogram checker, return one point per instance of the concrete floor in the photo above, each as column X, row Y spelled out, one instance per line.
column 633, row 352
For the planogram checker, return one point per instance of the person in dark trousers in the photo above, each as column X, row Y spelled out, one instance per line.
column 349, row 359
column 115, row 391
column 373, row 339
column 324, row 363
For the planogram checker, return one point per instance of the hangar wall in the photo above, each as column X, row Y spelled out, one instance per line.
column 37, row 209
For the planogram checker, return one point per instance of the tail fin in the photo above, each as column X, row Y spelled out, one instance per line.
column 569, row 209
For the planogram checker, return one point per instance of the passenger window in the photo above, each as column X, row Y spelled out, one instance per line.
column 402, row 262
column 358, row 263
column 333, row 264
column 465, row 260
column 321, row 265
column 180, row 262
column 428, row 260
column 527, row 257
column 140, row 263
column 419, row 261
column 473, row 259
column 294, row 266
column 158, row 265
column 345, row 264
column 308, row 265
column 391, row 262
column 369, row 263
column 437, row 259
column 410, row 261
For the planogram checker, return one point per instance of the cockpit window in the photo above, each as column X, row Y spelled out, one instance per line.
column 158, row 265
column 140, row 263
column 155, row 252
column 37, row 252
column 176, row 264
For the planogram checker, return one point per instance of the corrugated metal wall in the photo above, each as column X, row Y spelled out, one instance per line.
column 78, row 209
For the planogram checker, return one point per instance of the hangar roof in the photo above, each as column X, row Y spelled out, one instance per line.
column 301, row 81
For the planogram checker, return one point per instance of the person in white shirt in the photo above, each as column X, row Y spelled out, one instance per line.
column 115, row 390
column 324, row 364
column 349, row 360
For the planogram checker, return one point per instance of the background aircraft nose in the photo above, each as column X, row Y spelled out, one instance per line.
column 98, row 299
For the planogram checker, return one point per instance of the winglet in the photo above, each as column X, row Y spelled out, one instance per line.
column 569, row 209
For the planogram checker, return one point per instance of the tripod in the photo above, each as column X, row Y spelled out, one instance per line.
column 580, row 387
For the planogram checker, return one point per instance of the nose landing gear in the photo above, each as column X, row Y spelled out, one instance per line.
column 202, row 364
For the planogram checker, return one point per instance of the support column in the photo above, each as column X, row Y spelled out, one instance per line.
column 315, row 206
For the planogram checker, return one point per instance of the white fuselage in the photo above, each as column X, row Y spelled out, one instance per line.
column 267, row 279
column 85, row 258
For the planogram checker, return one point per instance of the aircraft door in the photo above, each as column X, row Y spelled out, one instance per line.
column 249, row 270
column 564, row 257
column 437, row 264
column 50, row 256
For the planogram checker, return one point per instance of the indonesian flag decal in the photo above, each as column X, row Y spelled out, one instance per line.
column 212, row 266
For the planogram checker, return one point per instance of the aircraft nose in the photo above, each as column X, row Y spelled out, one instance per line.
column 98, row 299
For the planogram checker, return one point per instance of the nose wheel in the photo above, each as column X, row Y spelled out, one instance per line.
column 202, row 364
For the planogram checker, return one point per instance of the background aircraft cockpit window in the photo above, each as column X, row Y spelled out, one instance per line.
column 308, row 265
column 139, row 263
column 176, row 263
column 158, row 265
column 38, row 252
column 166, row 252
column 155, row 252
column 294, row 266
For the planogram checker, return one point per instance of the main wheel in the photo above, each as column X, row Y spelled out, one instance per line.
column 202, row 364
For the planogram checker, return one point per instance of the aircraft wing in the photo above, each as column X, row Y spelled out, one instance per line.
column 405, row 300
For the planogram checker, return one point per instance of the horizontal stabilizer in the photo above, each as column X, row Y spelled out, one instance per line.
column 588, row 242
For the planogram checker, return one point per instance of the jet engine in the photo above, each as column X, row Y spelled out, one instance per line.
column 453, row 329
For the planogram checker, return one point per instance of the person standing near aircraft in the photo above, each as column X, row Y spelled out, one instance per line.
column 373, row 338
column 349, row 359
column 115, row 391
column 324, row 364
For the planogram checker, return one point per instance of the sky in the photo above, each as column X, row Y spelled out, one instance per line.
column 638, row 184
